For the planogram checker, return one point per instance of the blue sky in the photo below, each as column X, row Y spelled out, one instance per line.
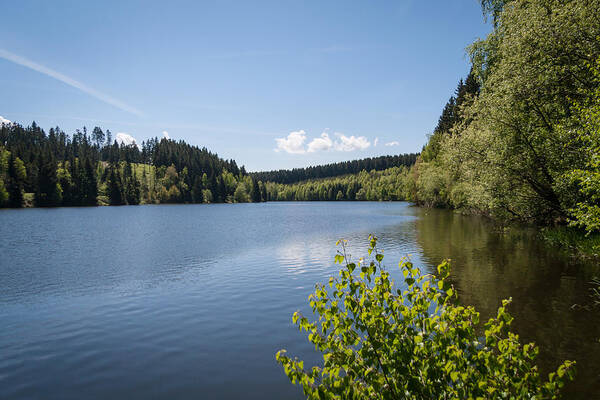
column 254, row 81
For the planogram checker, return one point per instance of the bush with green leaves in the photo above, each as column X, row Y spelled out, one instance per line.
column 380, row 342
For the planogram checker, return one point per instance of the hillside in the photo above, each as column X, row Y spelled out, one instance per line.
column 87, row 169
column 336, row 169
column 387, row 185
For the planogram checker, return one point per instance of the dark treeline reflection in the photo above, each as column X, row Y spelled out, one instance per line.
column 490, row 264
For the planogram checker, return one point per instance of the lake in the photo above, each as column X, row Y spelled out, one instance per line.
column 193, row 301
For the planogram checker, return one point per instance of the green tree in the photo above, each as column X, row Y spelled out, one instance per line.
column 207, row 196
column 586, row 126
column 17, row 174
column 98, row 136
column 115, row 187
column 66, row 183
column 4, row 159
column 507, row 155
column 493, row 9
column 90, row 190
column 133, row 190
column 197, row 190
column 4, row 196
column 241, row 195
column 256, row 195
column 49, row 192
column 411, row 343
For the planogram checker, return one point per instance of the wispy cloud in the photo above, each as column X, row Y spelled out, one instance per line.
column 245, row 53
column 69, row 81
column 166, row 135
column 394, row 143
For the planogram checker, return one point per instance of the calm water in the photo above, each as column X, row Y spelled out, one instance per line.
column 193, row 301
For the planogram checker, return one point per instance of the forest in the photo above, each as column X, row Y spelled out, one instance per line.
column 518, row 140
column 88, row 169
column 336, row 169
column 387, row 185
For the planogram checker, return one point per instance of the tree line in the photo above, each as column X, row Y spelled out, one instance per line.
column 520, row 138
column 90, row 168
column 336, row 169
column 392, row 184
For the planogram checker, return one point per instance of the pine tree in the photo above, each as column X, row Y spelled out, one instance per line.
column 90, row 191
column 98, row 136
column 17, row 175
column 115, row 187
column 256, row 197
column 49, row 193
column 263, row 192
column 197, row 190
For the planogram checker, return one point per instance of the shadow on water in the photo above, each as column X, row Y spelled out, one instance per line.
column 490, row 264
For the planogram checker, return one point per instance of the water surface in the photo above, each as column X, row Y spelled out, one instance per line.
column 193, row 301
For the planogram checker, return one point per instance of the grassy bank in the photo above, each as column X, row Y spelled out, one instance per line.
column 572, row 240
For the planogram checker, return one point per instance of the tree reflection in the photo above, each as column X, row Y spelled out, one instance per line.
column 490, row 263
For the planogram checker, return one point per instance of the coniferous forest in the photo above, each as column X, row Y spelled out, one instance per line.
column 336, row 169
column 517, row 141
column 88, row 169
column 192, row 301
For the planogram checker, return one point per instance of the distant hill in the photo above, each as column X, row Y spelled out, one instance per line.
column 288, row 176
column 92, row 168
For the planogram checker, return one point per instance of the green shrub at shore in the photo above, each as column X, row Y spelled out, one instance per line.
column 380, row 342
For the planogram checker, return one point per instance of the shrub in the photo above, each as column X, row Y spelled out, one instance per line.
column 413, row 343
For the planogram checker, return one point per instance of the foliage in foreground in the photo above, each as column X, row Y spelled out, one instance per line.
column 416, row 343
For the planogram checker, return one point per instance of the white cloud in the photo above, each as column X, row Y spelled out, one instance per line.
column 293, row 143
column 4, row 121
column 126, row 139
column 24, row 62
column 166, row 135
column 375, row 142
column 394, row 143
column 322, row 143
column 351, row 143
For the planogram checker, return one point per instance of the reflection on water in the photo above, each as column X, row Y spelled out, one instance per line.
column 193, row 301
column 491, row 264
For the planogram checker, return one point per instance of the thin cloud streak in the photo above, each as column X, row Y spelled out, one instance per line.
column 245, row 53
column 69, row 81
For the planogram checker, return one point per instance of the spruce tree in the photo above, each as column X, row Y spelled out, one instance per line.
column 17, row 175
column 256, row 197
column 115, row 187
column 49, row 193
column 91, row 189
